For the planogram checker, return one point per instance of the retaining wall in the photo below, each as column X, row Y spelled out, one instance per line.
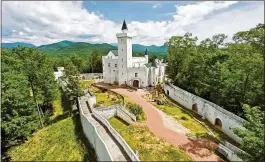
column 206, row 109
column 108, row 111
column 94, row 138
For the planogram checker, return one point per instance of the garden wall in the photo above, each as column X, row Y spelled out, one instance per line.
column 218, row 116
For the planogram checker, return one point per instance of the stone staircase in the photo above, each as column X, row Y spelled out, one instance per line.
column 117, row 153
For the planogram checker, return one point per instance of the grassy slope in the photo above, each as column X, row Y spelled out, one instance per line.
column 61, row 141
column 147, row 144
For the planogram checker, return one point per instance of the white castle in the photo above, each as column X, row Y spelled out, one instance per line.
column 119, row 67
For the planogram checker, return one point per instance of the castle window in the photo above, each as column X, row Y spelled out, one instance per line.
column 121, row 73
column 121, row 49
column 115, row 65
column 136, row 74
column 109, row 64
column 122, row 59
column 122, row 66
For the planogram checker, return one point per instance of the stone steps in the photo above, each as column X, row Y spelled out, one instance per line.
column 116, row 152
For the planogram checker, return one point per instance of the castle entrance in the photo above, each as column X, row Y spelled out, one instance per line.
column 136, row 83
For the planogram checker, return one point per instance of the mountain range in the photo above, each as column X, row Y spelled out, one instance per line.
column 83, row 48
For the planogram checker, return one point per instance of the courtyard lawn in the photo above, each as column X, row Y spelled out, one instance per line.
column 149, row 147
column 106, row 98
column 61, row 141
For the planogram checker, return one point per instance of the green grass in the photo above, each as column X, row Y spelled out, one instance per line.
column 147, row 144
column 173, row 109
column 86, row 83
column 61, row 141
column 183, row 118
column 106, row 98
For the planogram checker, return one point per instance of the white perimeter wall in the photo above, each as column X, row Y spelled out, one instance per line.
column 206, row 109
column 94, row 138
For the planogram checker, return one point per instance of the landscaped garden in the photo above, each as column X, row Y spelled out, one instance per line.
column 105, row 97
column 149, row 147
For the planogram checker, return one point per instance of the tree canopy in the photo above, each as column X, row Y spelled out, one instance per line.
column 228, row 74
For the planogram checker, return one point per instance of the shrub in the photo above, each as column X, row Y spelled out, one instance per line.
column 135, row 109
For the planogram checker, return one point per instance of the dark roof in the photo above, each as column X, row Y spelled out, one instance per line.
column 151, row 64
column 115, row 52
column 124, row 26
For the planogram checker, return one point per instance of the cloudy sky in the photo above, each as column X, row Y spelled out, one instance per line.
column 151, row 23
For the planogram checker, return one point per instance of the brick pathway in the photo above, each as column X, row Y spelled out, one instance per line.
column 198, row 150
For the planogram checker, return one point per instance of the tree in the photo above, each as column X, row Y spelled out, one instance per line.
column 71, row 78
column 179, row 49
column 253, row 135
column 27, row 84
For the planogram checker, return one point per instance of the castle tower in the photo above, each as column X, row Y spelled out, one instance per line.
column 124, row 54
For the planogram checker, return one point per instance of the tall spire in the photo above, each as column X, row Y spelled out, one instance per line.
column 124, row 26
column 145, row 53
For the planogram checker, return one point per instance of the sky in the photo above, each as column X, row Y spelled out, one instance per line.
column 149, row 22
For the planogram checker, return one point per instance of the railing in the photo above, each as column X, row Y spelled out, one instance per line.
column 117, row 136
column 239, row 119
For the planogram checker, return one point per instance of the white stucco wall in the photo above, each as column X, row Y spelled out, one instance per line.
column 94, row 138
column 208, row 110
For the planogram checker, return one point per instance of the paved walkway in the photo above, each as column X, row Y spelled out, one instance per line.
column 198, row 150
column 116, row 152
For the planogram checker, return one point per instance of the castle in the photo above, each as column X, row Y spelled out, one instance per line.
column 119, row 67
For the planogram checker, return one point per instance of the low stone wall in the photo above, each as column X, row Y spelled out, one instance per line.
column 90, row 76
column 212, row 112
column 94, row 138
column 116, row 110
column 228, row 153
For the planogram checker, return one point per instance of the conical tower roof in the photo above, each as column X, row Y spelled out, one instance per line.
column 124, row 26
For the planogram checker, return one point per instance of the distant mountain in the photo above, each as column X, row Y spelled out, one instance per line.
column 16, row 44
column 159, row 50
column 50, row 48
column 80, row 48
column 83, row 48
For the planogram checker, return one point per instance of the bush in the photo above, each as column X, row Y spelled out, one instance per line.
column 135, row 109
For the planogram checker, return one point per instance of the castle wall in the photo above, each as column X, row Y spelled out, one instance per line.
column 206, row 109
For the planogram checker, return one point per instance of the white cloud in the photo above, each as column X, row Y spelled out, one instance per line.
column 158, row 5
column 48, row 22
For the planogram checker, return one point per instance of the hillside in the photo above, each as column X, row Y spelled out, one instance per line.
column 83, row 48
column 79, row 48
column 16, row 44
column 51, row 48
column 61, row 141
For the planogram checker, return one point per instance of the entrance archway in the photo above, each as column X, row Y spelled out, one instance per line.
column 136, row 83
column 218, row 123
column 195, row 108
